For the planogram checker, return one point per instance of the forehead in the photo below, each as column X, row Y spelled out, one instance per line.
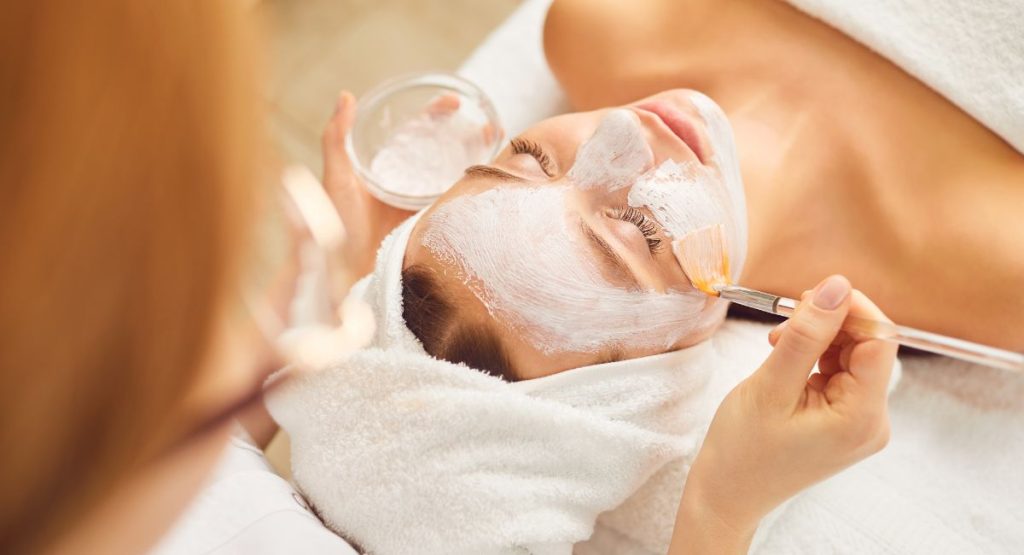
column 562, row 134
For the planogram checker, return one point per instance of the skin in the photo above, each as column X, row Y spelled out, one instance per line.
column 784, row 429
column 861, row 170
column 559, row 138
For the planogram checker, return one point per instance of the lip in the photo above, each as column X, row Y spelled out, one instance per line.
column 681, row 125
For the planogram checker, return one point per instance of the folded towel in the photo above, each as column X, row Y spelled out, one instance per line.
column 403, row 453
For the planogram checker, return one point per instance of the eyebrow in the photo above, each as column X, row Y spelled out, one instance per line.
column 491, row 171
column 606, row 250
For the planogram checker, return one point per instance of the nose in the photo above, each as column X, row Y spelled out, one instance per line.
column 615, row 155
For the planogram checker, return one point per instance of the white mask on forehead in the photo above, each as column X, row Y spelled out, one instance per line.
column 521, row 253
column 516, row 251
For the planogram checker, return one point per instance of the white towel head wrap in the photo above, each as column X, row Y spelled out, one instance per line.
column 401, row 452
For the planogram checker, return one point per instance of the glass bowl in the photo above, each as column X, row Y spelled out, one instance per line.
column 414, row 135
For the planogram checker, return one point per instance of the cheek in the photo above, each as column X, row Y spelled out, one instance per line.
column 682, row 197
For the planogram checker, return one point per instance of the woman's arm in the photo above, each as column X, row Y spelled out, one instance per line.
column 702, row 529
column 783, row 429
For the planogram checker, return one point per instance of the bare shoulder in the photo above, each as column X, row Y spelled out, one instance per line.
column 592, row 43
column 570, row 29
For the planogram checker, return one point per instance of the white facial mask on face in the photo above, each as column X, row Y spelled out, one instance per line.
column 522, row 255
column 682, row 197
column 517, row 251
column 614, row 155
column 687, row 196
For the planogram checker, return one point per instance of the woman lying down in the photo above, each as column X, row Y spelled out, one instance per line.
column 541, row 374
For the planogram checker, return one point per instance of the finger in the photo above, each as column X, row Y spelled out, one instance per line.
column 333, row 142
column 837, row 355
column 830, row 362
column 844, row 356
column 443, row 105
column 489, row 133
column 817, row 382
column 808, row 335
column 870, row 361
column 776, row 333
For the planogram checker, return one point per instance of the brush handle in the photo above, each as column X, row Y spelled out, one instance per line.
column 864, row 327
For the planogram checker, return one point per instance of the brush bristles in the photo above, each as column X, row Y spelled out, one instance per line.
column 703, row 255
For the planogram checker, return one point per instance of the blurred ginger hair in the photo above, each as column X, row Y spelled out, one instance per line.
column 128, row 166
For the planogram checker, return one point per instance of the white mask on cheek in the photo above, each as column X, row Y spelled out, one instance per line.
column 687, row 196
column 682, row 197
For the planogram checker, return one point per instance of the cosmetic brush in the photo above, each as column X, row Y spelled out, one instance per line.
column 703, row 256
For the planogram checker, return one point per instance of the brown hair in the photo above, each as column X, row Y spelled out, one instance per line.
column 127, row 135
column 432, row 317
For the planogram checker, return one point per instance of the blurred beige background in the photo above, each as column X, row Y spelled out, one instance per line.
column 319, row 47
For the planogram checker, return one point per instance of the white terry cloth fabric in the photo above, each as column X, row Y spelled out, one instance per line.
column 245, row 508
column 513, row 52
column 950, row 480
column 403, row 453
column 971, row 52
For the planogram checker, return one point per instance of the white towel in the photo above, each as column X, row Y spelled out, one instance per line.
column 511, row 68
column 404, row 453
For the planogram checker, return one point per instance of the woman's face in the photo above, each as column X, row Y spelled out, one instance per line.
column 563, row 246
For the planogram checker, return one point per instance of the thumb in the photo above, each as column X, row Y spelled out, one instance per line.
column 805, row 338
column 338, row 127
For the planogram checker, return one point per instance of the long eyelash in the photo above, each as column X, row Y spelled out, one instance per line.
column 526, row 146
column 648, row 228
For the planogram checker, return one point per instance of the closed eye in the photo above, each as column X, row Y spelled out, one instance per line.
column 648, row 227
column 525, row 146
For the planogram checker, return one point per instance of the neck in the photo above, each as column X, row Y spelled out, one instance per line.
column 806, row 127
column 782, row 84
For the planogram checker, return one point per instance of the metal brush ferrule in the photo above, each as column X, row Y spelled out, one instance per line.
column 750, row 297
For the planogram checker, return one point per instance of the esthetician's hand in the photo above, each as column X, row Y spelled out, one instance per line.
column 367, row 220
column 783, row 428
